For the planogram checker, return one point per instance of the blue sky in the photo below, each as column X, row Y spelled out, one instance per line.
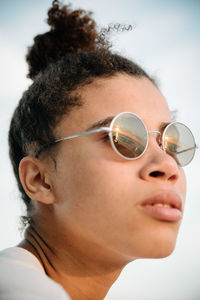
column 166, row 42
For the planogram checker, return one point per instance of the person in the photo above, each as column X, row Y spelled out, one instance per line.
column 98, row 162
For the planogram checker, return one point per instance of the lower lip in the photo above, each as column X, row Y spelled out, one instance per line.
column 163, row 213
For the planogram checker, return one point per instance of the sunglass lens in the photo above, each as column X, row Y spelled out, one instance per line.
column 179, row 142
column 129, row 135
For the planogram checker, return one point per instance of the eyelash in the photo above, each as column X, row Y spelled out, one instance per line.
column 105, row 137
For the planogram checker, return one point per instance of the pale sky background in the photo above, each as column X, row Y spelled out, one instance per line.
column 166, row 42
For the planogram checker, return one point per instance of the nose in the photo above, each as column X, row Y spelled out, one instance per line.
column 158, row 165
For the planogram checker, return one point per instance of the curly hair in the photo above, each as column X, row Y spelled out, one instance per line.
column 71, row 55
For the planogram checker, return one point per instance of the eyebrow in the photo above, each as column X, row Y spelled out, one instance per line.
column 163, row 125
column 107, row 121
column 173, row 114
column 101, row 123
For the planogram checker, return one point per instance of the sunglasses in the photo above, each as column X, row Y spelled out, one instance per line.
column 129, row 138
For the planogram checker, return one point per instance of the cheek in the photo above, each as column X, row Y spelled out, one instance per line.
column 96, row 193
column 101, row 203
column 182, row 184
column 88, row 177
column 99, row 185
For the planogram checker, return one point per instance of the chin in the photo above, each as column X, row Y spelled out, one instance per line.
column 162, row 243
column 162, row 253
column 155, row 245
column 161, row 248
column 158, row 252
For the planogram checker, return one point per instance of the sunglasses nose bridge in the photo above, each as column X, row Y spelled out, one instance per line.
column 158, row 133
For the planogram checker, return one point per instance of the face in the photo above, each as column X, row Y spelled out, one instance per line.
column 100, row 196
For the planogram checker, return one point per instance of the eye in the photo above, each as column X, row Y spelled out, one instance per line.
column 172, row 147
column 105, row 137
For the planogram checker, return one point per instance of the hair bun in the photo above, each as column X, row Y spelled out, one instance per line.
column 71, row 31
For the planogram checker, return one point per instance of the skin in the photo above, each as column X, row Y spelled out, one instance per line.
column 88, row 221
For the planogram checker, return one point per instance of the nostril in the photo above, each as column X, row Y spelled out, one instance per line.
column 157, row 174
column 173, row 177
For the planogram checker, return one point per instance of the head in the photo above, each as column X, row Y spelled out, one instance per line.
column 81, row 187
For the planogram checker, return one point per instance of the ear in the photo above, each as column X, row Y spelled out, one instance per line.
column 35, row 180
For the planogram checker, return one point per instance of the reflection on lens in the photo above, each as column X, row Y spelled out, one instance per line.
column 129, row 135
column 178, row 141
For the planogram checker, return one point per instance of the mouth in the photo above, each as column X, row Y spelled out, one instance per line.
column 165, row 206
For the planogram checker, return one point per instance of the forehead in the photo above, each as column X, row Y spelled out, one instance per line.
column 110, row 96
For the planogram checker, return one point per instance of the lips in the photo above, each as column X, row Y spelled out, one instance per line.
column 166, row 206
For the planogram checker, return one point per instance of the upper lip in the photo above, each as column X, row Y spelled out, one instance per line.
column 165, row 197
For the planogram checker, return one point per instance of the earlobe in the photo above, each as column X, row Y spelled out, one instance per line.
column 35, row 180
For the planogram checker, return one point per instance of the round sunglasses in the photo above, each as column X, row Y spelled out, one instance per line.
column 129, row 138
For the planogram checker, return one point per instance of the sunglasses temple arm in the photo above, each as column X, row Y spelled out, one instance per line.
column 71, row 137
column 83, row 133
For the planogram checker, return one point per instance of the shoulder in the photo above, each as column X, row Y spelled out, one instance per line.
column 22, row 277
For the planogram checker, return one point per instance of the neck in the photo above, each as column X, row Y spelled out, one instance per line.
column 81, row 270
